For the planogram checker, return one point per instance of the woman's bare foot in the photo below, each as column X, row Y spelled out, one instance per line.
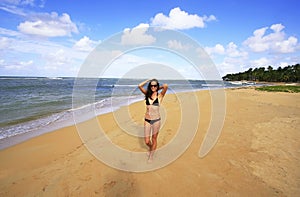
column 150, row 157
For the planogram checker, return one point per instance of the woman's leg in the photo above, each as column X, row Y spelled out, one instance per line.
column 147, row 133
column 155, row 127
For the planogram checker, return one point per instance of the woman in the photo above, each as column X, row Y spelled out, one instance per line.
column 152, row 115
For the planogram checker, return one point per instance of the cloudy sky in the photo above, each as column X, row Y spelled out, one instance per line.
column 54, row 37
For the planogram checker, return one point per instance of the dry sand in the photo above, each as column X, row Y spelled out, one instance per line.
column 257, row 154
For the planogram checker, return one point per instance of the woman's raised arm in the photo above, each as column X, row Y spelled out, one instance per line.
column 164, row 88
column 141, row 86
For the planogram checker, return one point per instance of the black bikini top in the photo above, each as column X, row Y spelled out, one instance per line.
column 155, row 102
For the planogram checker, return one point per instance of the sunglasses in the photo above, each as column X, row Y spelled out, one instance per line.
column 153, row 85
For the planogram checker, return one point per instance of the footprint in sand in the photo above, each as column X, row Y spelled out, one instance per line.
column 109, row 185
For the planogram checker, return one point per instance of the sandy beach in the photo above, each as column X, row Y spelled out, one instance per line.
column 257, row 154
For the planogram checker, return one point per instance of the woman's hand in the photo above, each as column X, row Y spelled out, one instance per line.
column 143, row 83
column 164, row 88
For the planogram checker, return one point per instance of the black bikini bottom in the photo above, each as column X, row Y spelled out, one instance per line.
column 152, row 121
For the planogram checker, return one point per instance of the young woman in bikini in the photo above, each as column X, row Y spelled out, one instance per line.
column 152, row 115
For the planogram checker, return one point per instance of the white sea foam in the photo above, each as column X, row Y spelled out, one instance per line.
column 11, row 135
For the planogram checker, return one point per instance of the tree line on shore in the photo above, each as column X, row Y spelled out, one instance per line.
column 285, row 74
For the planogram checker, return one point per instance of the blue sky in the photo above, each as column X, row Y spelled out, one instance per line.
column 53, row 38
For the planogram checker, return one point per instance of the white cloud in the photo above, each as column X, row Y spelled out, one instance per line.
column 277, row 27
column 209, row 18
column 261, row 62
column 179, row 19
column 19, row 2
column 231, row 58
column 272, row 42
column 57, row 58
column 268, row 46
column 22, row 45
column 174, row 44
column 284, row 64
column 9, row 33
column 49, row 25
column 13, row 10
column 2, row 62
column 217, row 49
column 59, row 63
column 231, row 65
column 85, row 44
column 17, row 65
column 231, row 50
column 49, row 58
column 137, row 35
column 287, row 46
column 4, row 42
column 30, row 62
column 39, row 3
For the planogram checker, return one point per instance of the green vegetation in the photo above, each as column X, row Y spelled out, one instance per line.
column 286, row 74
column 283, row 88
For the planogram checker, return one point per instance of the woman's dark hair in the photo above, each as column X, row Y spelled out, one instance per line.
column 149, row 91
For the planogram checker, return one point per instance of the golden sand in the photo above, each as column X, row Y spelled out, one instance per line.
column 257, row 154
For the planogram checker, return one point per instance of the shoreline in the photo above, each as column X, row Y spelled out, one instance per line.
column 258, row 149
column 41, row 123
column 22, row 137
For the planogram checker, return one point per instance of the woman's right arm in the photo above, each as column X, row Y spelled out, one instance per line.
column 141, row 86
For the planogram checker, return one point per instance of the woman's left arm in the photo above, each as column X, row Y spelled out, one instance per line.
column 164, row 88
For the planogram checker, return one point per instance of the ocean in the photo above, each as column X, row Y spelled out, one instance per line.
column 31, row 106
